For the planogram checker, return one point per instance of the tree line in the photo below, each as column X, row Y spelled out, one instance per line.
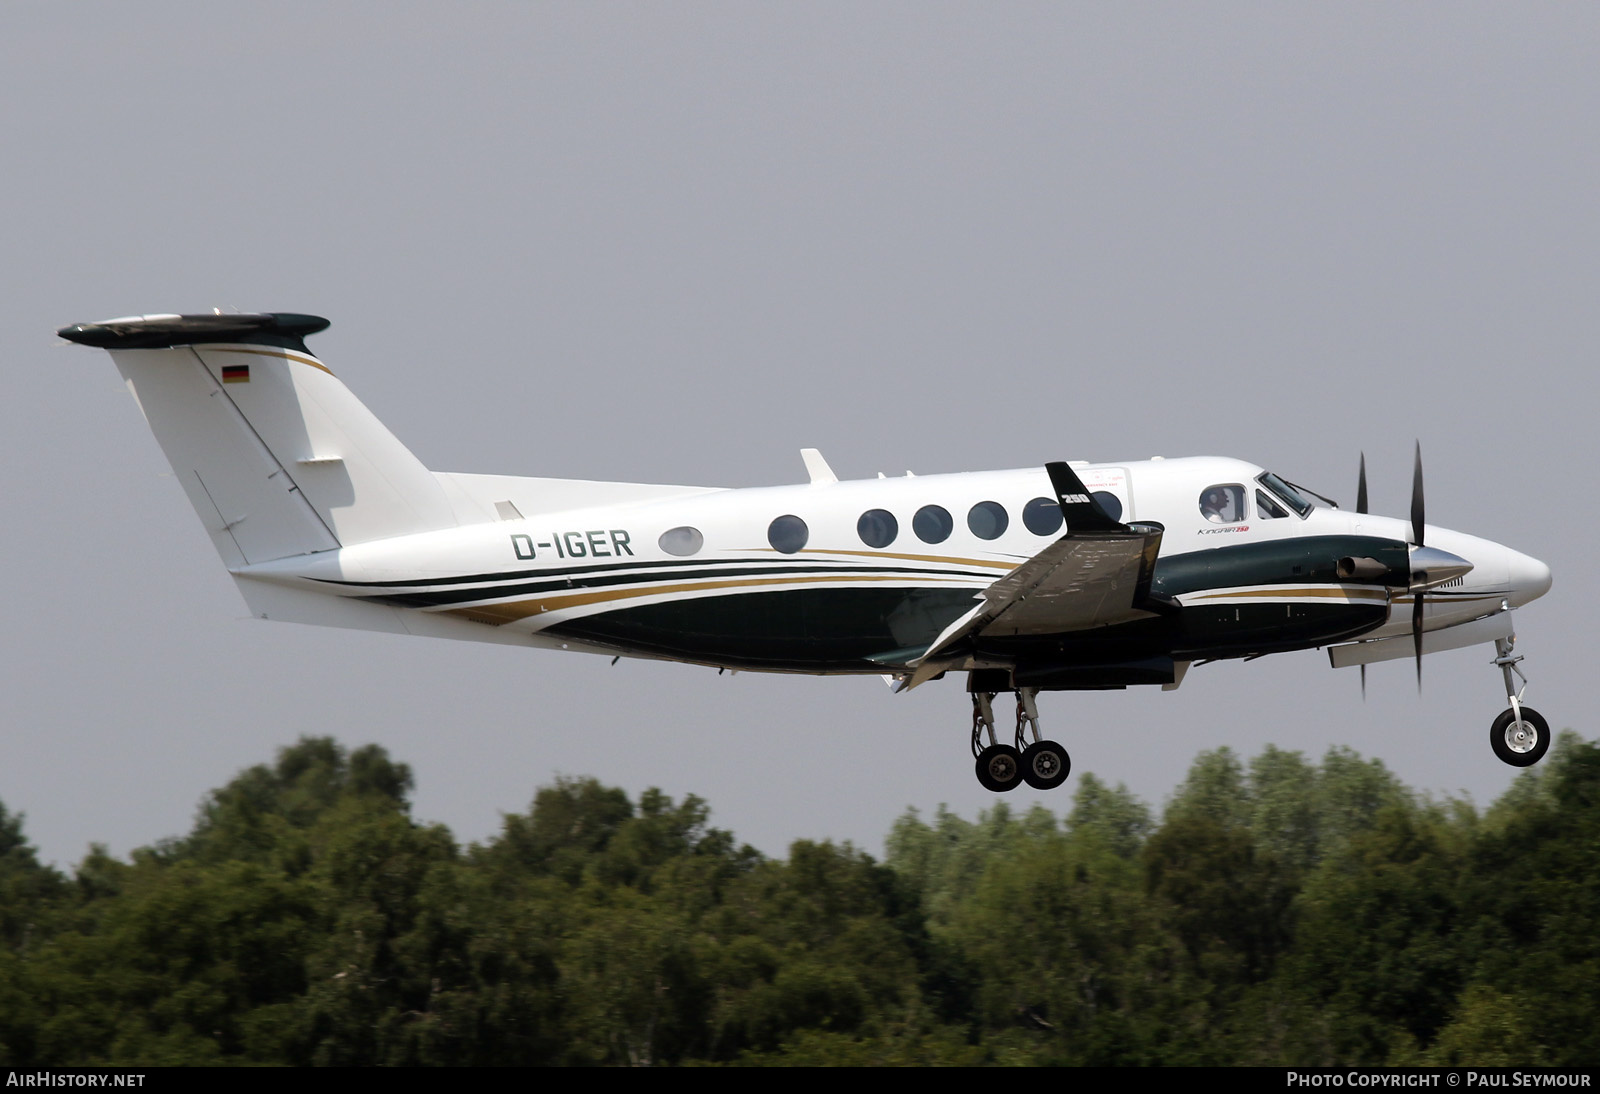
column 1279, row 911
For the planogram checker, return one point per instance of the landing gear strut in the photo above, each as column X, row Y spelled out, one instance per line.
column 999, row 766
column 1043, row 765
column 1520, row 736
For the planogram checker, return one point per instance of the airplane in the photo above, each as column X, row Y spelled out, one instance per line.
column 1072, row 576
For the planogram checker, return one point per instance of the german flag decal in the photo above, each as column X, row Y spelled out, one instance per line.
column 236, row 374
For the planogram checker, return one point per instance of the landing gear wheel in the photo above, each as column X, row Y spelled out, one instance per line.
column 1520, row 744
column 1000, row 768
column 1045, row 765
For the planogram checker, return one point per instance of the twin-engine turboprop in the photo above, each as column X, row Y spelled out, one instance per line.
column 1073, row 576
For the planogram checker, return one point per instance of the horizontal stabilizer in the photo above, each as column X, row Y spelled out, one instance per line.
column 287, row 330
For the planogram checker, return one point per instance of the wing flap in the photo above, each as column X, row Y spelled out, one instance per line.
column 1096, row 575
column 1076, row 583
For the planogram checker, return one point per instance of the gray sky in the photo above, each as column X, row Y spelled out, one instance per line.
column 678, row 242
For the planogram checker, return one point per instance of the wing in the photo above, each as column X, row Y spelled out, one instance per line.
column 1096, row 575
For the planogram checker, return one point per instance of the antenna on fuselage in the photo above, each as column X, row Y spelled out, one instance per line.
column 817, row 467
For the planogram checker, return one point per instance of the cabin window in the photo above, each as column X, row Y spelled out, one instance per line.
column 988, row 520
column 877, row 528
column 1223, row 503
column 1042, row 516
column 682, row 541
column 788, row 534
column 932, row 524
column 1110, row 503
column 1268, row 508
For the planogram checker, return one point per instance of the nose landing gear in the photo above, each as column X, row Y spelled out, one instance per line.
column 1043, row 765
column 1520, row 736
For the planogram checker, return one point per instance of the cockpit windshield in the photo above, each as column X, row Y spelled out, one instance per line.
column 1285, row 493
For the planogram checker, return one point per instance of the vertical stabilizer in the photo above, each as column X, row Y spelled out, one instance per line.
column 276, row 455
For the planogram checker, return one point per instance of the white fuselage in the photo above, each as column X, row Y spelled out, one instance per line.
column 1065, row 577
column 323, row 516
column 537, row 578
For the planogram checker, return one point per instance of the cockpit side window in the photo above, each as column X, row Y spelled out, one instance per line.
column 1222, row 504
column 1267, row 507
column 1285, row 493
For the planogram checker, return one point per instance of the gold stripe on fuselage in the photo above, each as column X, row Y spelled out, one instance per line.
column 1284, row 593
column 1432, row 598
column 515, row 610
column 952, row 560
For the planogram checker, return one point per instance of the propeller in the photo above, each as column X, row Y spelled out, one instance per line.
column 1361, row 507
column 1428, row 567
column 1416, row 498
column 1416, row 539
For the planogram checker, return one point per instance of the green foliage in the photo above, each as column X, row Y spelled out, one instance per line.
column 1061, row 945
column 34, row 900
column 1489, row 1030
column 29, row 893
column 1535, row 787
column 1380, row 941
column 1535, row 890
column 264, row 812
column 568, row 824
column 1112, row 816
column 1224, row 900
column 1281, row 912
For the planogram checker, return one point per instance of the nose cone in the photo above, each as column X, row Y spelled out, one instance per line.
column 1529, row 578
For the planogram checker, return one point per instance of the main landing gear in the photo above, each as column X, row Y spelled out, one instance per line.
column 1043, row 765
column 1520, row 736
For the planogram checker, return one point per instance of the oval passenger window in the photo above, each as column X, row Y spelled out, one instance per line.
column 788, row 534
column 682, row 541
column 932, row 524
column 877, row 528
column 1042, row 516
column 988, row 520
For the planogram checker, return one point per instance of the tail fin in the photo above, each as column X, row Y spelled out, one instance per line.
column 276, row 455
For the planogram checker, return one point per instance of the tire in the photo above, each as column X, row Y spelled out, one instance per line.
column 1520, row 746
column 1045, row 765
column 1000, row 768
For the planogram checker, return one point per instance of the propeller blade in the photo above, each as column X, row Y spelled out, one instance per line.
column 1417, row 597
column 1363, row 681
column 1416, row 632
column 1361, row 486
column 1416, row 499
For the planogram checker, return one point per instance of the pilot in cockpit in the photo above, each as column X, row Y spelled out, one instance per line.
column 1221, row 504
